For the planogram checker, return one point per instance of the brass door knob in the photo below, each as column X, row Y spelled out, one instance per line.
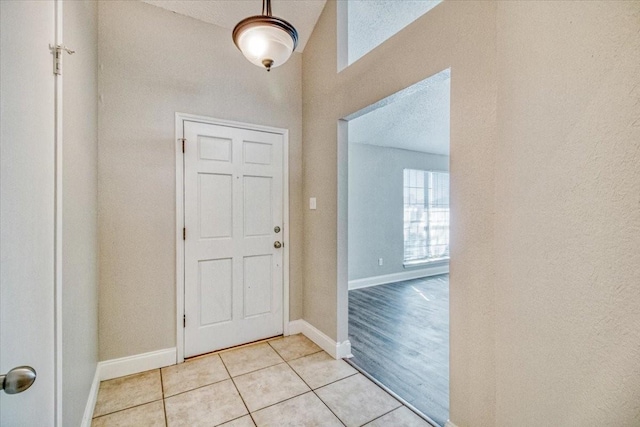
column 277, row 245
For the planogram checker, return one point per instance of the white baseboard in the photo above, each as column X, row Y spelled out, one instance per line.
column 335, row 350
column 398, row 277
column 91, row 400
column 343, row 350
column 449, row 423
column 115, row 368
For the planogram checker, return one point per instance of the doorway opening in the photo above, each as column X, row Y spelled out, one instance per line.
column 394, row 207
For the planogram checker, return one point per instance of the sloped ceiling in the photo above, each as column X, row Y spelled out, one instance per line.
column 302, row 14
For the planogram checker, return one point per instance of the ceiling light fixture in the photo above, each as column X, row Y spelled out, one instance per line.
column 265, row 40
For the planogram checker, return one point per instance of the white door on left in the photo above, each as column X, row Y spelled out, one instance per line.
column 27, row 172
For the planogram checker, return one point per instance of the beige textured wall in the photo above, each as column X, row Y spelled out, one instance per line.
column 79, row 208
column 154, row 63
column 567, row 226
column 545, row 178
column 460, row 35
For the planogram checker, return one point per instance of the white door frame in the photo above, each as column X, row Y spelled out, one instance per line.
column 180, row 119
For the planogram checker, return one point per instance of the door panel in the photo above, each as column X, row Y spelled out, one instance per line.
column 216, row 291
column 257, row 207
column 215, row 215
column 218, row 149
column 258, row 283
column 27, row 179
column 233, row 200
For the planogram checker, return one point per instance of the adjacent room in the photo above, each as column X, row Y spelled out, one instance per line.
column 399, row 243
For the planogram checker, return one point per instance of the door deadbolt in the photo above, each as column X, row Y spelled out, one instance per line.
column 277, row 245
column 18, row 379
column 276, row 229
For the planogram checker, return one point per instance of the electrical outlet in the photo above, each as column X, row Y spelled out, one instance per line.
column 380, row 262
column 312, row 203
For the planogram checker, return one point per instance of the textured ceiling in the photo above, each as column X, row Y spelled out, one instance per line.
column 371, row 22
column 416, row 118
column 302, row 14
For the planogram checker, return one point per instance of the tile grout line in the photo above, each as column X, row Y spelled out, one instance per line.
column 164, row 403
column 333, row 382
column 274, row 349
column 377, row 418
column 232, row 378
column 267, row 367
column 276, row 403
column 243, row 402
column 134, row 406
column 314, row 392
column 255, row 370
column 367, row 422
column 296, row 358
column 224, row 379
column 282, row 401
column 360, row 373
column 234, row 348
column 232, row 420
column 306, row 355
column 196, row 388
column 271, row 366
column 330, row 410
column 237, row 391
column 310, row 388
column 219, row 352
column 125, row 409
column 393, row 394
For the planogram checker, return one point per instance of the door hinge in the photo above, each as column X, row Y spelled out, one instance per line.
column 183, row 142
column 184, row 234
column 184, row 321
column 56, row 50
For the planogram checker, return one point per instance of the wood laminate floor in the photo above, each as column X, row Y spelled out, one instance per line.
column 399, row 334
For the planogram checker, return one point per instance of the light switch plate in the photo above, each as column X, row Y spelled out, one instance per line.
column 312, row 203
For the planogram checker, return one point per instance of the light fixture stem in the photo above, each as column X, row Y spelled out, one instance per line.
column 266, row 7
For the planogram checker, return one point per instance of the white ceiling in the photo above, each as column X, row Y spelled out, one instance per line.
column 416, row 118
column 302, row 14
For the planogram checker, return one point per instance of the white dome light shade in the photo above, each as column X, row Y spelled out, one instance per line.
column 265, row 40
column 264, row 44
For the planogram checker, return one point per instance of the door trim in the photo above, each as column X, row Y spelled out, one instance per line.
column 179, row 132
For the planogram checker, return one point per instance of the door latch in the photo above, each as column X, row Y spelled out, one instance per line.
column 57, row 57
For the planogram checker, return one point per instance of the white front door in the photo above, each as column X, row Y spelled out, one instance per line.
column 27, row 182
column 233, row 216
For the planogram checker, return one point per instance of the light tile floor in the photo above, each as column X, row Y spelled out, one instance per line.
column 280, row 382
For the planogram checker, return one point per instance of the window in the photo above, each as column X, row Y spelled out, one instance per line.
column 426, row 216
